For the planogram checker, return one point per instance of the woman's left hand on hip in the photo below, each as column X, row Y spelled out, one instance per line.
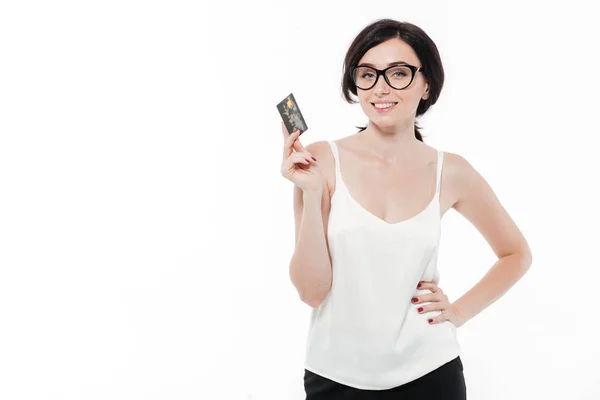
column 438, row 302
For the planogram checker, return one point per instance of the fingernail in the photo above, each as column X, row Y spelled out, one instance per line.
column 430, row 320
column 419, row 285
column 314, row 159
column 414, row 299
column 420, row 309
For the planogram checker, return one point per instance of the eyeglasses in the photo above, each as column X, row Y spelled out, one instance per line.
column 397, row 76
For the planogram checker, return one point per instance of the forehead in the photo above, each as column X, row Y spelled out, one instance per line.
column 390, row 51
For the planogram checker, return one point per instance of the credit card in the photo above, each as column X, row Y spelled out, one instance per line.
column 291, row 115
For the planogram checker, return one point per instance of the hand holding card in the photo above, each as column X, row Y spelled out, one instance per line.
column 300, row 166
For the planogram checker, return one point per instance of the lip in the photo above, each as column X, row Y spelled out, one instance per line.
column 385, row 109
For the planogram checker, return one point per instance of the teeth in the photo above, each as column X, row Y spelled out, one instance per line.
column 385, row 105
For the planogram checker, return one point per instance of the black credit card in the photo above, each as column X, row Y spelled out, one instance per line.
column 291, row 115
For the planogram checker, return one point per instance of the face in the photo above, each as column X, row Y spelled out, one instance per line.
column 407, row 99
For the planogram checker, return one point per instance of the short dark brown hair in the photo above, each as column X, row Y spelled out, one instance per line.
column 382, row 30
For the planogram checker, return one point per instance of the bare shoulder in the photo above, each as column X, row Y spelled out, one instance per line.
column 320, row 147
column 455, row 166
column 322, row 151
column 462, row 175
column 459, row 178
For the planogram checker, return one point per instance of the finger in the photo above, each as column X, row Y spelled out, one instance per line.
column 430, row 297
column 423, row 284
column 431, row 307
column 298, row 159
column 440, row 318
column 298, row 146
column 287, row 146
column 306, row 155
column 301, row 157
column 285, row 132
column 424, row 298
column 428, row 285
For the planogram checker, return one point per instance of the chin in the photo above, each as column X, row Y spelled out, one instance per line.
column 386, row 119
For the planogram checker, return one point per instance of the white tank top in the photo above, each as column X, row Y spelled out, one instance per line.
column 367, row 333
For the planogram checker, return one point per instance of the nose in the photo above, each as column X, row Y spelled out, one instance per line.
column 381, row 85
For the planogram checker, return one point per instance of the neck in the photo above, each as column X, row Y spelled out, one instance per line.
column 390, row 143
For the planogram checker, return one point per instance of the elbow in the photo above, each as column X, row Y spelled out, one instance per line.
column 527, row 255
column 312, row 292
column 523, row 260
column 527, row 259
column 522, row 257
column 314, row 300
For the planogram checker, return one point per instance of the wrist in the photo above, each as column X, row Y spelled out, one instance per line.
column 456, row 311
column 313, row 193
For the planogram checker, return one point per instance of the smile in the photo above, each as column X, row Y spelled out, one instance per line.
column 383, row 107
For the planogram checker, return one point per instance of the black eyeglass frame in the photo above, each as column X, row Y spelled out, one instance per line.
column 414, row 69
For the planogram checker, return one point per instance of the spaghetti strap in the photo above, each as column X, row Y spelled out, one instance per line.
column 440, row 161
column 336, row 157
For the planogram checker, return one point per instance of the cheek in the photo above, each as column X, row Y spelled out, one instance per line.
column 365, row 104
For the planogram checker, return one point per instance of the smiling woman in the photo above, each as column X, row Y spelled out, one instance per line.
column 366, row 252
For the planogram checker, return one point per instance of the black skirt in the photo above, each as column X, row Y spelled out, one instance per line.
column 444, row 383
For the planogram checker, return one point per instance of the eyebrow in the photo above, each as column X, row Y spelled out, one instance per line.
column 392, row 63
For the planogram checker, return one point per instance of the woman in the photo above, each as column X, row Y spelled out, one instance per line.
column 367, row 210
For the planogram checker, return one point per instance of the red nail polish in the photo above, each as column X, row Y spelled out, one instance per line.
column 414, row 299
column 420, row 309
column 418, row 286
column 430, row 320
column 314, row 159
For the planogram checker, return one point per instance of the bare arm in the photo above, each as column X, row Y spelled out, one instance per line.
column 310, row 266
column 479, row 205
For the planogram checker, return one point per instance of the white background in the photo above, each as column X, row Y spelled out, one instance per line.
column 146, row 231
